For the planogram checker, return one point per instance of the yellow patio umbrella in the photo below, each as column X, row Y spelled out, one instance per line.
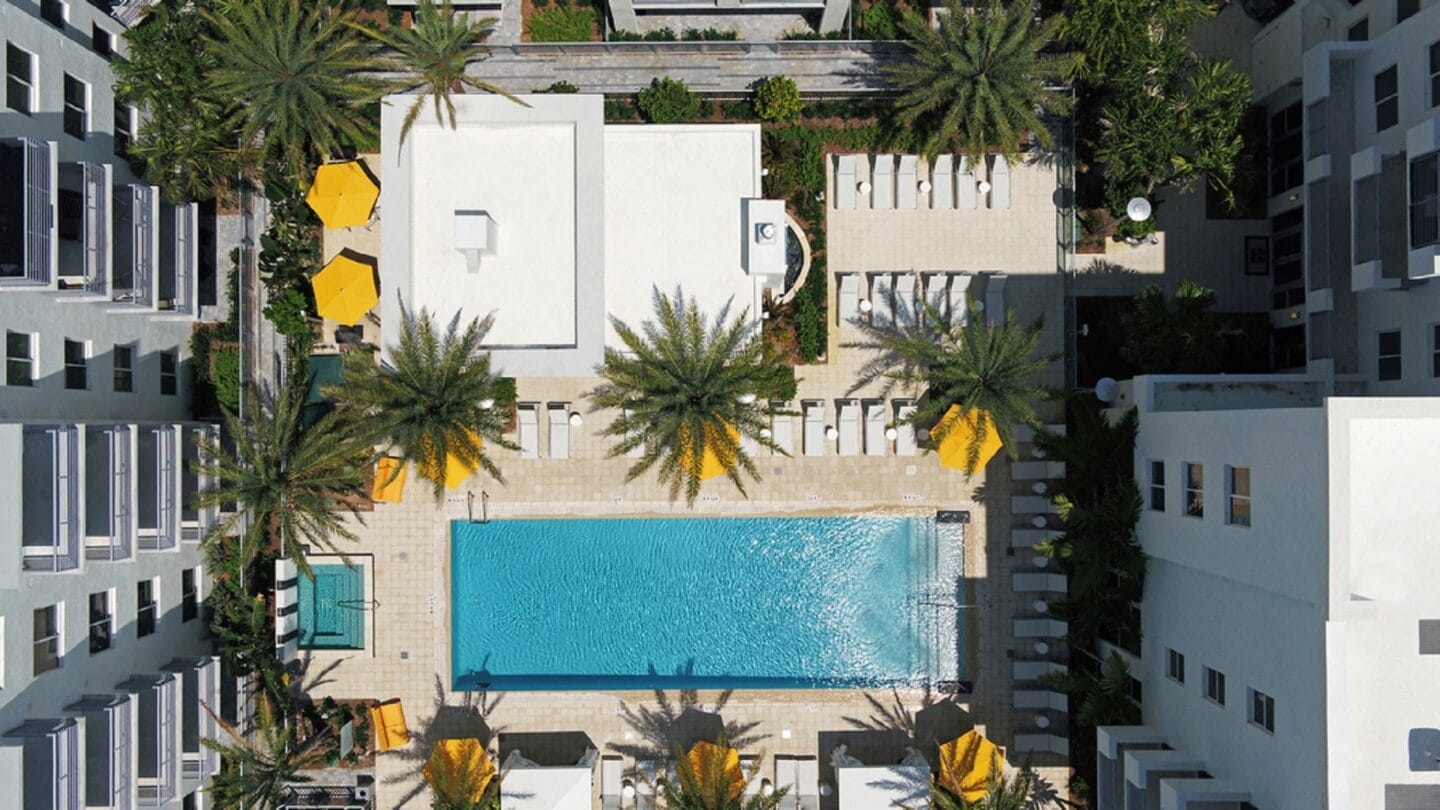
column 712, row 464
column 706, row 758
column 461, row 762
column 959, row 431
column 343, row 194
column 966, row 765
column 389, row 485
column 345, row 290
column 456, row 471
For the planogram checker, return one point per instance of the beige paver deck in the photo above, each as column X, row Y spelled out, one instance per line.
column 410, row 541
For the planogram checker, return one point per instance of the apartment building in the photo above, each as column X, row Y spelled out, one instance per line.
column 105, row 664
column 1352, row 91
column 1291, row 623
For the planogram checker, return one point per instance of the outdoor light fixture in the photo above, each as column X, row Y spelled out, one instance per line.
column 1038, row 521
column 831, row 433
column 1042, row 648
column 865, row 305
column 925, row 187
column 576, row 420
column 864, row 186
column 486, row 404
column 765, row 433
column 1040, row 606
column 983, row 186
column 891, row 434
column 1138, row 209
column 1039, row 488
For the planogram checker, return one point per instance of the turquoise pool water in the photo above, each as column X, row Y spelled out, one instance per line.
column 702, row 603
column 332, row 608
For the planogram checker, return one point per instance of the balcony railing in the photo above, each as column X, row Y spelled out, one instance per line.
column 159, row 489
column 136, row 239
column 36, row 241
column 52, row 759
column 52, row 537
column 200, row 679
column 109, row 747
column 159, row 738
column 97, row 235
column 109, row 535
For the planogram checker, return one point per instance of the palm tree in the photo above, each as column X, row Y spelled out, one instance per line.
column 966, row 362
column 977, row 82
column 455, row 786
column 1103, row 700
column 430, row 401
column 193, row 155
column 1178, row 336
column 687, row 385
column 288, row 480
column 711, row 786
column 1012, row 793
column 437, row 48
column 295, row 73
column 259, row 766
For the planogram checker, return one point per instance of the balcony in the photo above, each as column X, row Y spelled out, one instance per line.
column 158, row 774
column 28, row 171
column 50, row 476
column 200, row 687
column 109, row 492
column 51, row 755
column 158, row 487
column 194, row 521
column 135, row 244
column 83, row 230
column 179, row 258
column 109, row 750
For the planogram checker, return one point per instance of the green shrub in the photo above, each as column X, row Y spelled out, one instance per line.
column 738, row 110
column 620, row 110
column 561, row 88
column 224, row 374
column 669, row 101
column 286, row 312
column 660, row 35
column 708, row 35
column 541, row 3
column 562, row 24
column 505, row 391
column 777, row 99
column 878, row 22
column 625, row 36
column 811, row 330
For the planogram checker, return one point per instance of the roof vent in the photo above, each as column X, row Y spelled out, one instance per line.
column 474, row 236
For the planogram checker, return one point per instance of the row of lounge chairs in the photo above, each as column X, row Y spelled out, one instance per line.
column 557, row 417
column 892, row 295
column 952, row 182
column 854, row 419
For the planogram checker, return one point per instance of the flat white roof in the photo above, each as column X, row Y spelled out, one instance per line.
column 546, row 789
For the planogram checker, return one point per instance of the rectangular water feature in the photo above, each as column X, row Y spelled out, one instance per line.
column 332, row 608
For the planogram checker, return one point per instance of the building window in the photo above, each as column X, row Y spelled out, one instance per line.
column 189, row 595
column 1195, row 490
column 102, row 621
column 1435, row 350
column 1262, row 710
column 147, row 607
column 54, row 12
column 1405, row 9
column 1359, row 32
column 1237, row 496
column 77, row 364
column 124, row 128
column 1214, row 685
column 1435, row 74
column 1157, row 486
column 1388, row 367
column 48, row 642
column 1425, row 200
column 124, row 368
column 100, row 41
column 1429, row 636
column 19, row 358
column 77, row 107
column 1174, row 665
column 19, row 79
column 1287, row 146
column 167, row 373
column 1387, row 99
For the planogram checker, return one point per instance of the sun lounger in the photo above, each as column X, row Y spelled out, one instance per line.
column 881, row 289
column 936, row 285
column 639, row 449
column 845, row 182
column 749, row 446
column 1000, row 184
column 1042, row 743
column 848, row 423
column 995, row 299
column 965, row 184
column 814, row 427
column 905, row 296
column 612, row 782
column 875, row 428
column 787, row 779
column 752, row 778
column 1036, row 470
column 848, row 300
column 388, row 720
column 529, row 419
column 905, row 184
column 905, row 442
column 782, row 427
column 960, row 297
column 388, row 485
column 882, row 181
column 558, row 414
column 942, row 183
column 1038, row 583
column 807, row 780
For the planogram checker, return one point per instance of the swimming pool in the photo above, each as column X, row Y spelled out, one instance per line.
column 332, row 608
column 705, row 602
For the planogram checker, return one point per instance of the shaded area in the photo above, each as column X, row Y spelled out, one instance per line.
column 468, row 719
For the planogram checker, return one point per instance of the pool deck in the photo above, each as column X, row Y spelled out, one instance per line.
column 409, row 541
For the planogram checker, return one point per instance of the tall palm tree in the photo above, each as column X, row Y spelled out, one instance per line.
column 977, row 82
column 1176, row 336
column 295, row 71
column 259, row 766
column 688, row 384
column 968, row 363
column 1005, row 793
column 710, row 786
column 437, row 49
column 290, row 481
column 455, row 786
column 429, row 401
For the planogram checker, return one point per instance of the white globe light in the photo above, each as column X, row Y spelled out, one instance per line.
column 1038, row 521
column 576, row 419
column 747, row 398
column 925, row 186
column 1041, row 721
column 1138, row 209
column 628, row 791
column 1040, row 606
column 831, row 433
column 765, row 433
column 983, row 186
column 1041, row 648
column 1107, row 389
column 865, row 305
column 891, row 434
column 486, row 404
column 1039, row 452
column 1040, row 561
column 1039, row 488
column 864, row 187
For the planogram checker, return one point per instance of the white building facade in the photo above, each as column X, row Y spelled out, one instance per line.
column 105, row 661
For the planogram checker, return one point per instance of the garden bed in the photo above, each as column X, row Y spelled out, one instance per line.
column 559, row 21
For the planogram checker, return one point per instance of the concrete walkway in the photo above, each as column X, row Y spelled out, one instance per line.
column 711, row 67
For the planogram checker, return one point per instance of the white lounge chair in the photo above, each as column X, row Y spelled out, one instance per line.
column 638, row 450
column 848, row 423
column 995, row 299
column 612, row 782
column 848, row 298
column 558, row 414
column 782, row 427
column 960, row 297
column 942, row 183
column 905, row 184
column 905, row 296
column 749, row 446
column 747, row 767
column 936, row 290
column 814, row 427
column 807, row 782
column 1000, row 184
column 965, row 184
column 845, row 182
column 905, row 442
column 882, row 181
column 528, row 417
column 881, row 290
column 875, row 428
column 787, row 779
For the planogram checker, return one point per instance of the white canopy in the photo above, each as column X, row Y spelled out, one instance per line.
column 546, row 789
column 874, row 788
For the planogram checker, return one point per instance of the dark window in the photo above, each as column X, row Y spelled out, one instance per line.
column 1287, row 146
column 124, row 368
column 189, row 596
column 1262, row 710
column 77, row 372
column 146, row 607
column 1214, row 685
column 101, row 622
column 1287, row 256
column 1157, row 486
column 1195, row 490
column 1430, row 636
column 1405, row 9
column 100, row 41
column 1435, row 350
column 53, row 12
column 19, row 358
column 48, row 654
column 1387, row 99
column 19, row 79
column 1389, row 354
column 124, row 128
column 1287, row 347
column 1359, row 32
column 77, row 107
column 167, row 373
column 1237, row 496
column 1425, row 200
column 1435, row 74
column 1175, row 666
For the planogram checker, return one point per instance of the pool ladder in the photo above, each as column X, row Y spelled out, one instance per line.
column 484, row 506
